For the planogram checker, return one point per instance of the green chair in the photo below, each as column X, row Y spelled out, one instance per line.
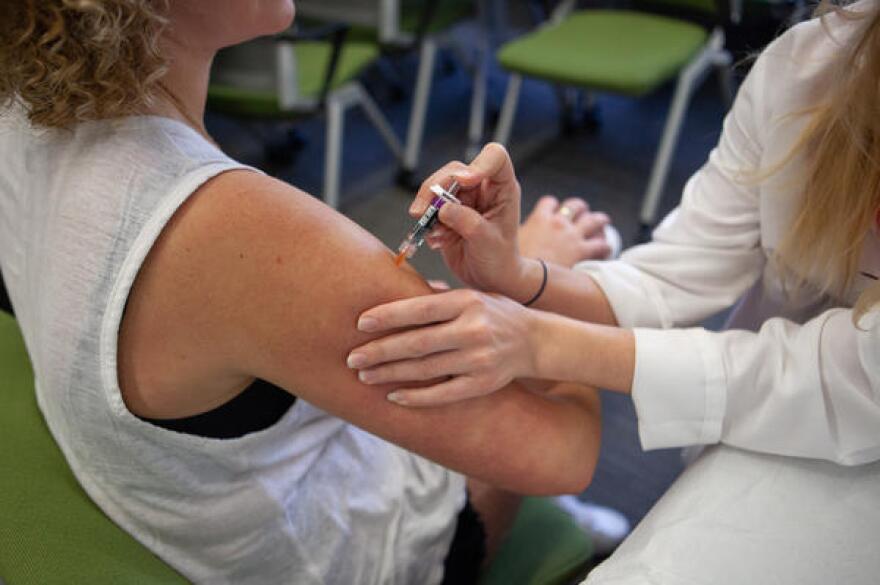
column 545, row 547
column 625, row 52
column 396, row 25
column 51, row 532
column 298, row 74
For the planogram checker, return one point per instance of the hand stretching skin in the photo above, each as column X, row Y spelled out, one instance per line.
column 482, row 341
column 476, row 343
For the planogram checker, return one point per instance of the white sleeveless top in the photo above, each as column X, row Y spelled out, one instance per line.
column 312, row 499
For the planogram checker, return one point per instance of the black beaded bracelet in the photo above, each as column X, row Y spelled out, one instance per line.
column 543, row 285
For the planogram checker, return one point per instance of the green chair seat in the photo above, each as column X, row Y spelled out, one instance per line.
column 619, row 51
column 50, row 531
column 312, row 59
column 544, row 547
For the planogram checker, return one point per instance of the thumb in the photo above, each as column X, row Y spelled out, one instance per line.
column 465, row 221
column 493, row 163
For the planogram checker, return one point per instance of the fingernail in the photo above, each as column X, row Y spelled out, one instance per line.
column 397, row 398
column 367, row 324
column 356, row 360
column 365, row 376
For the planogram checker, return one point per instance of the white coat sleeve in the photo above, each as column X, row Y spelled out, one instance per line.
column 810, row 390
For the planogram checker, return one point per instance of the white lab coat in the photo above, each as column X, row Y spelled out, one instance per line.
column 791, row 376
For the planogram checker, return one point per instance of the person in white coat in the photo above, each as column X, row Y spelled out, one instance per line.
column 781, row 223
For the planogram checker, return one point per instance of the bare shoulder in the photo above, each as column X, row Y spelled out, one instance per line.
column 245, row 259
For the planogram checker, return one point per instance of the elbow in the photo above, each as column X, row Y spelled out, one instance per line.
column 578, row 478
column 559, row 482
column 559, row 475
column 582, row 481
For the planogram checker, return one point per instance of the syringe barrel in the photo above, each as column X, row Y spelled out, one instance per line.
column 428, row 220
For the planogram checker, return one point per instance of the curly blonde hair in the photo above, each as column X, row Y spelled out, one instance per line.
column 69, row 61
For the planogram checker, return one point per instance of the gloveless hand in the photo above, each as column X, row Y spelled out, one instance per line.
column 478, row 239
column 477, row 343
column 565, row 233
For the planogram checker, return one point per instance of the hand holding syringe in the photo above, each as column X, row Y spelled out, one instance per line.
column 478, row 239
column 416, row 236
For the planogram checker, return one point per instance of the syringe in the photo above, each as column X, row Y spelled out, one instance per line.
column 416, row 236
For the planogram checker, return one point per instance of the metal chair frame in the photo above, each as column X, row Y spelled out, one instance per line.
column 384, row 16
column 334, row 103
column 713, row 54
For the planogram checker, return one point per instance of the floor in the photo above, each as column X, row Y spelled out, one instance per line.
column 608, row 167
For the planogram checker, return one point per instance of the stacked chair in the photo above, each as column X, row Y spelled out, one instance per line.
column 404, row 25
column 314, row 70
column 628, row 52
column 297, row 74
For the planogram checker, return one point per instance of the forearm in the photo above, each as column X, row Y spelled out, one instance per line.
column 586, row 353
column 566, row 292
column 515, row 440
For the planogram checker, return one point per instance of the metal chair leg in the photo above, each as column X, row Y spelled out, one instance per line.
column 664, row 153
column 687, row 80
column 378, row 119
column 724, row 66
column 477, row 124
column 508, row 111
column 416, row 130
column 333, row 150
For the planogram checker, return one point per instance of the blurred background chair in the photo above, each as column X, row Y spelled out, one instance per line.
column 397, row 26
column 629, row 52
column 296, row 74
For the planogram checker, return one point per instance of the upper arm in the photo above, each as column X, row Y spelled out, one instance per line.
column 281, row 279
